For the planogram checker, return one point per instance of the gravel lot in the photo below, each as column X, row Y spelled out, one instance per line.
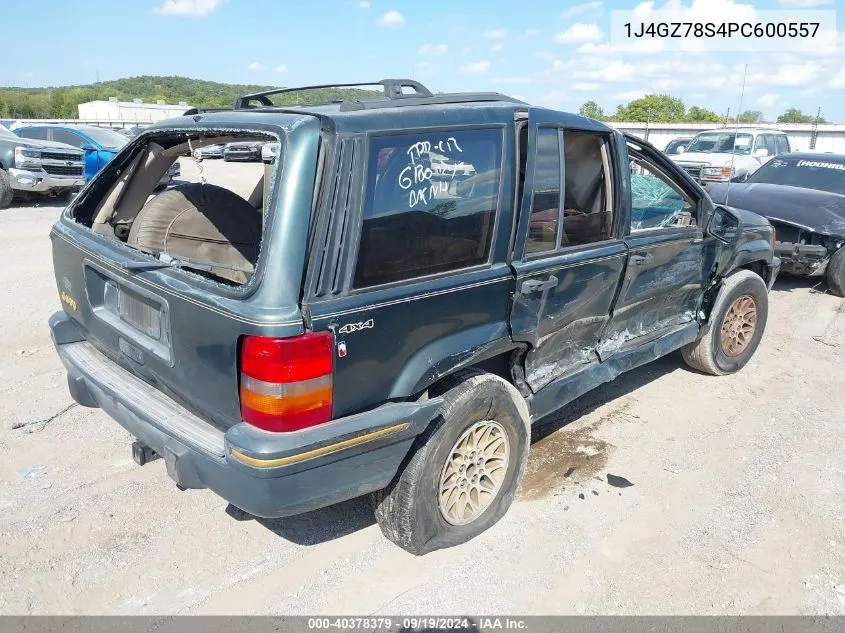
column 737, row 505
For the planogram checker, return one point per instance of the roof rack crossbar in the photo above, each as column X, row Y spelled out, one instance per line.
column 393, row 89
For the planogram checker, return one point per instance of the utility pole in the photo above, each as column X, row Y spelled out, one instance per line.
column 815, row 134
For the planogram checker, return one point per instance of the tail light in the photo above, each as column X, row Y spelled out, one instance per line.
column 286, row 383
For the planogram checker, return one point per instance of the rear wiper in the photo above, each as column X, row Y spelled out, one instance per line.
column 167, row 261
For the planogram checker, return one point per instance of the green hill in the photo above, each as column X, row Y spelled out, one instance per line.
column 61, row 101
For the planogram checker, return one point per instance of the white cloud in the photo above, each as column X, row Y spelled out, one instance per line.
column 838, row 81
column 582, row 86
column 580, row 32
column 365, row 4
column 193, row 8
column 784, row 75
column 496, row 34
column 511, row 80
column 630, row 95
column 476, row 68
column 804, row 4
column 497, row 47
column 281, row 68
column 768, row 100
column 255, row 66
column 433, row 49
column 612, row 71
column 391, row 20
column 578, row 9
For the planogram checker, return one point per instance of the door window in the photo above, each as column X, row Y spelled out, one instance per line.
column 782, row 143
column 65, row 136
column 656, row 201
column 771, row 145
column 587, row 206
column 545, row 202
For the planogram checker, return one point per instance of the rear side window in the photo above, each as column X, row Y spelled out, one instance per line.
column 545, row 204
column 782, row 144
column 35, row 133
column 430, row 204
column 587, row 203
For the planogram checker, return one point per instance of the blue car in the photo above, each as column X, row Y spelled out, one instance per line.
column 99, row 144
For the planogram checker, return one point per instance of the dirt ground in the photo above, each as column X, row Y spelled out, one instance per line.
column 736, row 507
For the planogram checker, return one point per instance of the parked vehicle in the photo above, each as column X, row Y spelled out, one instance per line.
column 98, row 144
column 803, row 196
column 677, row 146
column 209, row 151
column 37, row 167
column 373, row 328
column 243, row 151
column 722, row 155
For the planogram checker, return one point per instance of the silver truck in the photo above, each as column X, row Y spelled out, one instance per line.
column 30, row 166
column 730, row 154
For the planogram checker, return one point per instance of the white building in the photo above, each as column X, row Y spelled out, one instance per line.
column 129, row 112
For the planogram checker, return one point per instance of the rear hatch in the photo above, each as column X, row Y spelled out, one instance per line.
column 175, row 328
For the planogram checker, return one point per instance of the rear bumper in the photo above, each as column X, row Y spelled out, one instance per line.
column 265, row 474
column 41, row 181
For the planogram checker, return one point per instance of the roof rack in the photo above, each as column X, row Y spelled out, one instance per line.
column 191, row 111
column 440, row 99
column 393, row 89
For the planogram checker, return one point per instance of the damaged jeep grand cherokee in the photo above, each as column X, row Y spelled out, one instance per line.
column 366, row 323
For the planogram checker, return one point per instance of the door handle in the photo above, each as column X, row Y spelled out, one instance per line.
column 532, row 285
column 639, row 260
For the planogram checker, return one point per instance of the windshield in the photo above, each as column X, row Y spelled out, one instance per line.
column 106, row 138
column 7, row 133
column 823, row 174
column 721, row 143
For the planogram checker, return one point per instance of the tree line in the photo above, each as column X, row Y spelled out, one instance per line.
column 62, row 102
column 662, row 108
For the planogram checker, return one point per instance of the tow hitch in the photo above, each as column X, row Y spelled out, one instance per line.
column 143, row 454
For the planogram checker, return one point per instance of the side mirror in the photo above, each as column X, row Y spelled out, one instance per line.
column 87, row 147
column 761, row 153
column 741, row 178
column 724, row 225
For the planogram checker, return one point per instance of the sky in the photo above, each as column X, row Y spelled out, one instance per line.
column 548, row 53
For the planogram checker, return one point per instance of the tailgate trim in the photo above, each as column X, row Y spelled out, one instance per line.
column 145, row 400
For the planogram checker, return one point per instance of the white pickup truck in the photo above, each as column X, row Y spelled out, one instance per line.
column 729, row 154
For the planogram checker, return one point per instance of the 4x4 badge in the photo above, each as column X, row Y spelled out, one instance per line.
column 356, row 327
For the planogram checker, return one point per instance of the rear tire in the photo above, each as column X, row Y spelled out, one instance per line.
column 732, row 340
column 6, row 191
column 836, row 273
column 475, row 451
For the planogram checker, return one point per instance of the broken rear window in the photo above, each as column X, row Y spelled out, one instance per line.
column 193, row 201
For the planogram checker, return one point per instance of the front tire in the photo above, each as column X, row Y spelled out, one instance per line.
column 737, row 322
column 6, row 191
column 836, row 273
column 463, row 471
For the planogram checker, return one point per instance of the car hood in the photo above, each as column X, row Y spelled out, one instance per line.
column 34, row 143
column 711, row 159
column 818, row 211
